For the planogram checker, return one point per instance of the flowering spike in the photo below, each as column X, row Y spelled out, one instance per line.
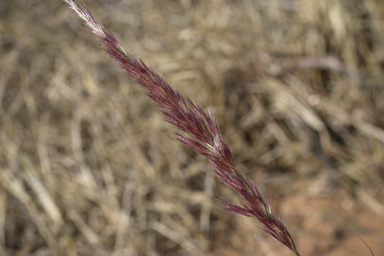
column 200, row 131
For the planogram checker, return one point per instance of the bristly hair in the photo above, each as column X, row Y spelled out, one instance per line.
column 197, row 130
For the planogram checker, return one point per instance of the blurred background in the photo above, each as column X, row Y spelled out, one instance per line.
column 88, row 166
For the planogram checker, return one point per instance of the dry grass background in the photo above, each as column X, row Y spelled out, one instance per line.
column 88, row 167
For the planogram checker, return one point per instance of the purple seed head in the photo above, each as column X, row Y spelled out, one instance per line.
column 197, row 130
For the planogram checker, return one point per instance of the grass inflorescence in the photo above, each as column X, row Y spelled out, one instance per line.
column 199, row 130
